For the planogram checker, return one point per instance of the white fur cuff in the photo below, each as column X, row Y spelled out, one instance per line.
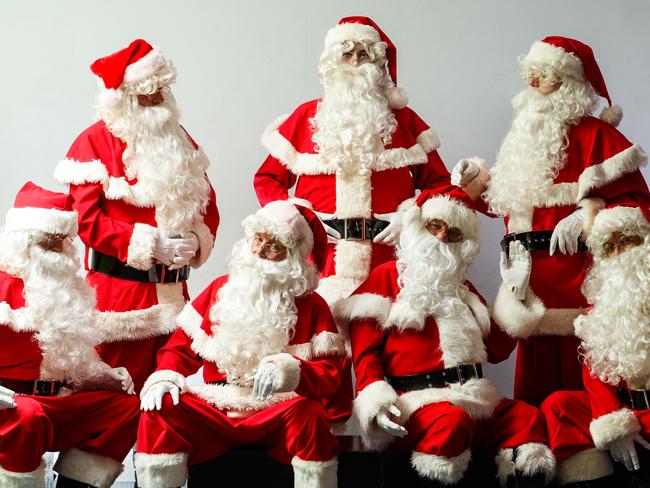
column 11, row 479
column 140, row 251
column 518, row 319
column 157, row 470
column 164, row 375
column 609, row 427
column 440, row 468
column 89, row 468
column 368, row 403
column 312, row 474
column 206, row 243
column 289, row 371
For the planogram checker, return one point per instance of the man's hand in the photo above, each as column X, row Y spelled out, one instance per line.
column 623, row 450
column 126, row 382
column 566, row 233
column 390, row 235
column 186, row 247
column 7, row 398
column 385, row 423
column 153, row 398
column 515, row 269
column 333, row 235
column 265, row 381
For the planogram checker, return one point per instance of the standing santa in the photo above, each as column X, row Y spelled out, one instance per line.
column 556, row 168
column 146, row 208
column 354, row 155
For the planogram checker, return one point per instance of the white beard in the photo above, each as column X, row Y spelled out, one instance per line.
column 534, row 150
column 353, row 122
column 170, row 172
column 255, row 314
column 62, row 308
column 616, row 332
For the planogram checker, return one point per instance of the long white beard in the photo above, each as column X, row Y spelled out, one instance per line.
column 616, row 332
column 353, row 122
column 255, row 314
column 170, row 172
column 534, row 150
column 62, row 307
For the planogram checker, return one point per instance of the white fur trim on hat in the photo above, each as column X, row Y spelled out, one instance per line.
column 88, row 468
column 627, row 220
column 543, row 53
column 447, row 470
column 314, row 474
column 454, row 213
column 156, row 470
column 612, row 426
column 144, row 67
column 47, row 220
column 351, row 32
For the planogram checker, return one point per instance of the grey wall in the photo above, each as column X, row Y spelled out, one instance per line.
column 240, row 64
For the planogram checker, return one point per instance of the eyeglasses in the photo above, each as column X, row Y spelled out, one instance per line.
column 452, row 234
column 621, row 241
column 271, row 247
column 54, row 242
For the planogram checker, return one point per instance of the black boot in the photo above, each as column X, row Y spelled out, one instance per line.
column 64, row 482
column 521, row 481
column 611, row 481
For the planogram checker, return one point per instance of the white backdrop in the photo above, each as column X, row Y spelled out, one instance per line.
column 240, row 64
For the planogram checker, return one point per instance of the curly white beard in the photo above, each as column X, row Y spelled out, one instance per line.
column 534, row 150
column 170, row 172
column 353, row 122
column 62, row 308
column 255, row 314
column 616, row 332
column 431, row 274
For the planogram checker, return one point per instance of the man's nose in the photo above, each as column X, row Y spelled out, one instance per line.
column 157, row 98
column 534, row 82
column 442, row 235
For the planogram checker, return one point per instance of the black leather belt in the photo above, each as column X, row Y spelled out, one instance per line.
column 357, row 229
column 158, row 273
column 536, row 240
column 635, row 399
column 33, row 387
column 436, row 379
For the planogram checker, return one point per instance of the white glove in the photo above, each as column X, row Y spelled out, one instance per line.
column 515, row 269
column 186, row 247
column 333, row 235
column 390, row 235
column 152, row 400
column 265, row 381
column 566, row 233
column 7, row 398
column 126, row 382
column 164, row 248
column 623, row 450
column 386, row 424
column 464, row 172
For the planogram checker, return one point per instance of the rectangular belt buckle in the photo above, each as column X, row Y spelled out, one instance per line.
column 459, row 373
column 346, row 229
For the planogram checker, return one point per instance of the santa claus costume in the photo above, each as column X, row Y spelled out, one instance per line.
column 263, row 316
column 144, row 201
column 419, row 334
column 613, row 413
column 49, row 369
column 556, row 168
column 354, row 155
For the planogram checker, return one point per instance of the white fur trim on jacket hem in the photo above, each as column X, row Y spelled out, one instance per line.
column 363, row 306
column 590, row 464
column 158, row 470
column 237, row 400
column 140, row 251
column 368, row 403
column 440, row 468
column 32, row 479
column 288, row 371
column 206, row 243
column 611, row 426
column 89, row 468
column 334, row 288
column 314, row 474
column 164, row 375
column 133, row 325
column 518, row 319
column 535, row 458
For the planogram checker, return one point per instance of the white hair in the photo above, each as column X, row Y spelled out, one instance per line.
column 535, row 148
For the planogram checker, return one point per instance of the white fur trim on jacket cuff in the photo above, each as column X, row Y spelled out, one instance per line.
column 288, row 371
column 589, row 208
column 88, row 468
column 72, row 172
column 518, row 319
column 206, row 243
column 311, row 474
column 368, row 403
column 32, row 479
column 447, row 470
column 429, row 140
column 590, row 464
column 133, row 325
column 156, row 470
column 611, row 426
column 140, row 251
column 164, row 375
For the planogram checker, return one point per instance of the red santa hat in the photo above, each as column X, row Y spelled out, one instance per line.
column 136, row 62
column 574, row 59
column 39, row 210
column 629, row 220
column 364, row 29
column 429, row 205
column 295, row 226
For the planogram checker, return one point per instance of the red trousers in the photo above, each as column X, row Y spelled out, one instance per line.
column 568, row 416
column 443, row 429
column 297, row 427
column 98, row 422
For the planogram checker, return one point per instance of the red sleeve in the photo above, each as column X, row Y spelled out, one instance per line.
column 603, row 396
column 177, row 355
column 367, row 341
column 207, row 230
column 273, row 181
